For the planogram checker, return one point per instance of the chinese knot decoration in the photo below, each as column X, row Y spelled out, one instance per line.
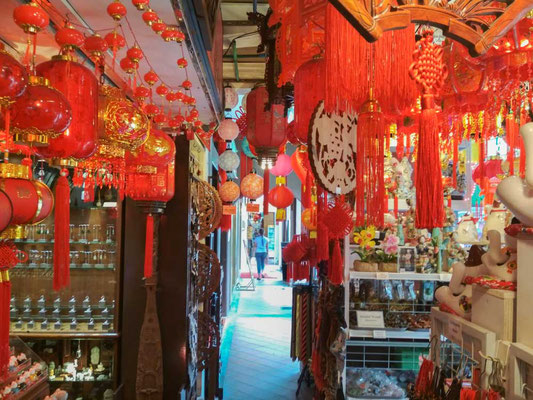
column 428, row 71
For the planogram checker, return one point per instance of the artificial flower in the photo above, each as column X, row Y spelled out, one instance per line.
column 365, row 237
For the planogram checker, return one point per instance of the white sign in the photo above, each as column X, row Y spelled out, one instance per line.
column 379, row 334
column 370, row 319
column 455, row 331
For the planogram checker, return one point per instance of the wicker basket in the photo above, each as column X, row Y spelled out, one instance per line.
column 363, row 266
column 388, row 267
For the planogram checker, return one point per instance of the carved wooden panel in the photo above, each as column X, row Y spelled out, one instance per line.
column 208, row 339
column 209, row 269
column 208, row 208
column 477, row 24
column 332, row 149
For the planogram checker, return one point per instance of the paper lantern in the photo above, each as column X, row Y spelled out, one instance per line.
column 282, row 167
column 6, row 211
column 141, row 93
column 182, row 62
column 309, row 219
column 151, row 110
column 161, row 90
column 280, row 196
column 96, row 45
column 13, row 79
column 135, row 54
column 149, row 17
column 128, row 65
column 252, row 186
column 229, row 161
column 115, row 41
column 158, row 26
column 69, row 37
column 228, row 130
column 140, row 4
column 41, row 113
column 80, row 87
column 30, row 17
column 158, row 151
column 229, row 191
column 151, row 79
column 116, row 10
column 186, row 84
column 231, row 98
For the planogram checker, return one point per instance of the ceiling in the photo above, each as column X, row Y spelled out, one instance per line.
column 92, row 15
column 249, row 67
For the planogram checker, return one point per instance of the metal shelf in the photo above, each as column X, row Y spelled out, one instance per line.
column 406, row 276
column 389, row 334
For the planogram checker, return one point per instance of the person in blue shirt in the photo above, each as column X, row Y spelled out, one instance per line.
column 260, row 249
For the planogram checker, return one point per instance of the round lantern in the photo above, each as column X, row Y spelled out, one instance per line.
column 96, row 45
column 151, row 78
column 280, row 196
column 159, row 26
column 13, row 79
column 252, row 186
column 141, row 93
column 182, row 62
column 229, row 161
column 231, row 98
column 149, row 17
column 79, row 85
column 135, row 54
column 69, row 38
column 266, row 125
column 180, row 36
column 158, row 150
column 151, row 110
column 45, row 202
column 228, row 130
column 310, row 75
column 41, row 113
column 121, row 122
column 170, row 34
column 141, row 4
column 6, row 210
column 128, row 65
column 186, row 84
column 23, row 196
column 116, row 10
column 30, row 17
column 282, row 167
column 161, row 90
column 309, row 219
column 160, row 119
column 115, row 41
column 229, row 191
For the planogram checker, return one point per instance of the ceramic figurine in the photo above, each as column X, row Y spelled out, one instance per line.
column 466, row 230
column 517, row 194
column 500, row 263
column 497, row 219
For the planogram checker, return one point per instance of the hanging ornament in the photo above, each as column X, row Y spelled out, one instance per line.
column 135, row 53
column 13, row 79
column 151, row 78
column 170, row 34
column 180, row 36
column 117, row 10
column 231, row 98
column 160, row 120
column 69, row 38
column 141, row 4
column 6, row 210
column 149, row 17
column 151, row 110
column 229, row 192
column 228, row 161
column 159, row 26
column 186, row 84
column 300, row 163
column 96, row 46
column 141, row 93
column 309, row 219
column 115, row 42
column 428, row 71
column 338, row 220
column 252, row 186
column 41, row 113
column 280, row 196
column 128, row 65
column 194, row 114
column 283, row 166
column 30, row 17
column 182, row 63
column 162, row 90
column 228, row 130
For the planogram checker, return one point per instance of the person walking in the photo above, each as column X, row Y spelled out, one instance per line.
column 260, row 250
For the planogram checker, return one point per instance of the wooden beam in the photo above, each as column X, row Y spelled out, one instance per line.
column 238, row 22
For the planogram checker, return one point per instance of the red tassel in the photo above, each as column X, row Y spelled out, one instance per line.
column 512, row 136
column 455, row 158
column 62, row 232
column 396, row 206
column 266, row 188
column 309, row 89
column 149, row 247
column 225, row 223
column 399, row 145
column 306, row 192
column 5, row 296
column 336, row 266
column 429, row 194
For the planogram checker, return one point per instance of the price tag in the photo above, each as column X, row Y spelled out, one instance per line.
column 455, row 331
column 229, row 210
column 370, row 319
column 382, row 275
column 379, row 334
column 252, row 207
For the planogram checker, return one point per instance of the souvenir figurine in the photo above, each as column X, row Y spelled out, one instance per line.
column 497, row 219
column 466, row 230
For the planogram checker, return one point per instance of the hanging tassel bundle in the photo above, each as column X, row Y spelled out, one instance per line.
column 309, row 88
column 307, row 190
column 399, row 145
column 511, row 129
column 370, row 184
column 62, row 232
column 266, row 189
column 455, row 145
column 429, row 71
column 149, row 247
column 322, row 239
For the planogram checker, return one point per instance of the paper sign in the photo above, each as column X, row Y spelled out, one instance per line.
column 455, row 331
column 370, row 319
column 378, row 334
column 252, row 207
column 229, row 210
column 382, row 275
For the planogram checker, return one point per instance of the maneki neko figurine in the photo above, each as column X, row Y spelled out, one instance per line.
column 466, row 230
column 498, row 218
column 516, row 193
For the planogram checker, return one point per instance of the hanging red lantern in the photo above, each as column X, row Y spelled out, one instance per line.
column 182, row 63
column 96, row 45
column 281, row 196
column 149, row 17
column 170, row 34
column 309, row 218
column 45, row 204
column 252, row 186
column 172, row 96
column 41, row 113
column 159, row 26
column 141, row 92
column 179, row 15
column 135, row 54
column 69, row 38
column 151, row 78
column 180, row 119
column 162, row 90
column 180, row 36
column 228, row 129
column 266, row 127
column 80, row 87
column 115, row 40
column 128, row 65
column 13, row 79
column 152, row 110
column 186, row 84
column 117, row 10
column 229, row 191
column 141, row 4
column 30, row 17
column 174, row 124
column 160, row 119
column 6, row 211
column 283, row 166
column 194, row 114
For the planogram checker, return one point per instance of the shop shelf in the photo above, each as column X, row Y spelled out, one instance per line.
column 520, row 372
column 389, row 334
column 407, row 276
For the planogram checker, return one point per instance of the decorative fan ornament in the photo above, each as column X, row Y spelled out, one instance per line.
column 208, row 208
column 331, row 148
column 208, row 279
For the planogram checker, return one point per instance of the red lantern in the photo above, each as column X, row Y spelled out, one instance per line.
column 280, row 196
column 172, row 96
column 309, row 219
column 141, row 93
column 174, row 124
column 6, row 210
column 180, row 119
column 135, row 54
column 40, row 113
column 160, row 119
column 149, row 17
column 282, row 167
column 151, row 110
column 115, row 41
column 229, row 191
column 194, row 113
column 252, row 186
column 169, row 34
column 151, row 78
column 96, row 45
column 180, row 36
column 46, row 202
column 13, row 79
column 158, row 150
column 116, row 10
column 30, row 17
column 128, row 65
column 23, row 195
column 182, row 62
column 266, row 127
column 187, row 84
column 140, row 4
column 69, row 38
column 228, row 130
column 159, row 26
column 80, row 87
column 162, row 90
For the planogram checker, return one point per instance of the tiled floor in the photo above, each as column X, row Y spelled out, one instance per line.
column 256, row 363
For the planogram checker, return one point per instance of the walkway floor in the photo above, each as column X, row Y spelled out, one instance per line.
column 256, row 363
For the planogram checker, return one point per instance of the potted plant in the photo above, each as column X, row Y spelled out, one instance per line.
column 364, row 238
column 388, row 256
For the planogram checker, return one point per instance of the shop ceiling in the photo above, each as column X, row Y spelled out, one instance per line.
column 243, row 66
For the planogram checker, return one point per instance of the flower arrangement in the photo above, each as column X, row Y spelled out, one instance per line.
column 389, row 253
column 364, row 237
